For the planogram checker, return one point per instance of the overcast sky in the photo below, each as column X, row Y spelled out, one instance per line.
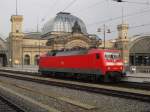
column 94, row 13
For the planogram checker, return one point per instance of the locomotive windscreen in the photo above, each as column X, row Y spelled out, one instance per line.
column 112, row 55
column 67, row 53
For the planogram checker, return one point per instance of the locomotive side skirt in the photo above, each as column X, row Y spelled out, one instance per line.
column 71, row 70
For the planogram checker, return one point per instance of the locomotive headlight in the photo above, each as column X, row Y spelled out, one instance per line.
column 121, row 67
column 108, row 68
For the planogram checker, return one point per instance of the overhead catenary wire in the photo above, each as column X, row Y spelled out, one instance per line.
column 134, row 27
column 52, row 6
column 108, row 20
column 127, row 1
column 142, row 25
column 69, row 5
column 91, row 6
column 98, row 3
column 1, row 36
column 119, row 17
column 139, row 3
column 139, row 26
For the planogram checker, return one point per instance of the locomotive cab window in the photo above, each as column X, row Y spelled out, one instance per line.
column 97, row 56
column 112, row 55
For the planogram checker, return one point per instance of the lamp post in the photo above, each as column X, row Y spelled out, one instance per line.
column 39, row 47
column 22, row 56
column 36, row 63
column 11, row 56
column 104, row 33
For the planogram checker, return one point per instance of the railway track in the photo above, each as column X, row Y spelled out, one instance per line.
column 119, row 91
column 8, row 106
column 134, row 85
column 52, row 95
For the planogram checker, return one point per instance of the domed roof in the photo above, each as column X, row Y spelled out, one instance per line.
column 63, row 22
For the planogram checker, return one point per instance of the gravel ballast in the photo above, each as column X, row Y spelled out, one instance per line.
column 103, row 103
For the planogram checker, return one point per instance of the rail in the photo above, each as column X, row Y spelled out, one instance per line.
column 125, row 92
column 8, row 106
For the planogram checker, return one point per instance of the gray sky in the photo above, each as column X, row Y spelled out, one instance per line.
column 93, row 12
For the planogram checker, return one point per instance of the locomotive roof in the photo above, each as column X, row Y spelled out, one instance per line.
column 104, row 50
column 76, row 52
column 67, row 52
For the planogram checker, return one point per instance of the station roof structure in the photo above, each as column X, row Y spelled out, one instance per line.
column 63, row 22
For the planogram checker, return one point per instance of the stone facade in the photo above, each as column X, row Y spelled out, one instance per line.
column 122, row 42
column 33, row 48
column 25, row 48
column 22, row 45
column 75, row 40
column 16, row 40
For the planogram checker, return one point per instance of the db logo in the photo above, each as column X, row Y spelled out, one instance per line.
column 62, row 63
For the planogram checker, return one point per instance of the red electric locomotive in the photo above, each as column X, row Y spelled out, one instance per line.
column 94, row 63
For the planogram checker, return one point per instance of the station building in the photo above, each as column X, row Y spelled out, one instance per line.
column 139, row 52
column 66, row 31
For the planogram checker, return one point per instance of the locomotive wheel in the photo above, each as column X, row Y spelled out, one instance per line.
column 94, row 78
column 112, row 77
column 107, row 78
column 76, row 75
column 89, row 77
column 117, row 78
column 45, row 74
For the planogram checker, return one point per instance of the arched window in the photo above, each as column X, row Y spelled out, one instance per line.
column 36, row 57
column 26, row 59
